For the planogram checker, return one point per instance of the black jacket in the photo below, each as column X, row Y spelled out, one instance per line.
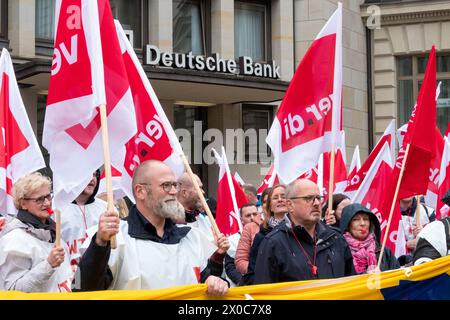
column 248, row 278
column 389, row 261
column 230, row 270
column 280, row 257
column 94, row 269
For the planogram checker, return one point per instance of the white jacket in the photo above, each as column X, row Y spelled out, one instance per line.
column 23, row 260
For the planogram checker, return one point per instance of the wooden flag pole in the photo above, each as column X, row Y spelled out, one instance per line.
column 107, row 161
column 331, row 181
column 58, row 228
column 418, row 211
column 386, row 234
column 200, row 194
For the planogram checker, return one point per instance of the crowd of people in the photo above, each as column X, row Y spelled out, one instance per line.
column 165, row 239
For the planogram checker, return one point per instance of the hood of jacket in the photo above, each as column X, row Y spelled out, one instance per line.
column 351, row 210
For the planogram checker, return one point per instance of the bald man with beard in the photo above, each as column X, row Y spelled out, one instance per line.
column 152, row 251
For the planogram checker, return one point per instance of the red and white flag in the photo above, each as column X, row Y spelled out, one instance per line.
column 356, row 162
column 442, row 210
column 20, row 153
column 372, row 194
column 355, row 179
column 87, row 71
column 308, row 121
column 230, row 198
column 422, row 149
column 154, row 139
column 269, row 180
column 340, row 169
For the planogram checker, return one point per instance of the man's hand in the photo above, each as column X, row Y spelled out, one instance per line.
column 216, row 286
column 222, row 243
column 416, row 230
column 411, row 244
column 330, row 218
column 56, row 257
column 108, row 226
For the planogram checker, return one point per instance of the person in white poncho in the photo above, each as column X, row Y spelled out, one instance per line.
column 152, row 251
column 29, row 259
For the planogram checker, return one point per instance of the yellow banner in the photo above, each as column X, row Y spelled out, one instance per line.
column 361, row 287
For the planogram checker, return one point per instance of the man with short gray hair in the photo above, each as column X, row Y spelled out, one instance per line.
column 301, row 247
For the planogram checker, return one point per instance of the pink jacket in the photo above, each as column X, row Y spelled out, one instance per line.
column 244, row 246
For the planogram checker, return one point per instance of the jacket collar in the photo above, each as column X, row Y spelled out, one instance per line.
column 30, row 220
column 322, row 231
column 140, row 228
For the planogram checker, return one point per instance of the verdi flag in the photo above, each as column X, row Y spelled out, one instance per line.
column 308, row 121
column 155, row 138
column 19, row 150
column 87, row 71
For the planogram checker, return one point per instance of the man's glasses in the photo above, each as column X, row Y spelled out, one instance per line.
column 41, row 200
column 167, row 186
column 309, row 199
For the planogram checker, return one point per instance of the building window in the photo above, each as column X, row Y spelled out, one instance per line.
column 410, row 72
column 133, row 15
column 191, row 21
column 256, row 122
column 45, row 19
column 3, row 23
column 251, row 29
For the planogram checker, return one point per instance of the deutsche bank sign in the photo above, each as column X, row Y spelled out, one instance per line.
column 213, row 63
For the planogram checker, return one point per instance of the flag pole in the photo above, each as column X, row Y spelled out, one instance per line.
column 418, row 211
column 58, row 228
column 397, row 188
column 200, row 194
column 331, row 180
column 107, row 162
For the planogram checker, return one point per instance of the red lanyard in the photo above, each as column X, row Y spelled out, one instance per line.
column 313, row 263
column 83, row 211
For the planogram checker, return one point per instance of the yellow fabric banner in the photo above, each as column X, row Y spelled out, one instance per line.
column 365, row 287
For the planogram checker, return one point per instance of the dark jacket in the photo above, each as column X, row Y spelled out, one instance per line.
column 230, row 270
column 94, row 269
column 248, row 278
column 280, row 257
column 389, row 261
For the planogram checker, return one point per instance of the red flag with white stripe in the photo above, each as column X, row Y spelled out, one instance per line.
column 355, row 165
column 269, row 180
column 155, row 139
column 355, row 179
column 373, row 193
column 87, row 71
column 19, row 150
column 230, row 198
column 442, row 209
column 308, row 121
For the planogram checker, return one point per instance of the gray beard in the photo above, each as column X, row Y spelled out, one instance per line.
column 171, row 210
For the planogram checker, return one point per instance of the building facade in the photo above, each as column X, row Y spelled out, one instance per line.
column 221, row 67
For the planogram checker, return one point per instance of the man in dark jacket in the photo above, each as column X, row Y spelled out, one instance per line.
column 302, row 248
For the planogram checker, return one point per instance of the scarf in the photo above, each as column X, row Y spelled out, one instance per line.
column 273, row 222
column 363, row 252
column 29, row 219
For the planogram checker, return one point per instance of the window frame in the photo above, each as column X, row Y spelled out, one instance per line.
column 416, row 77
column 205, row 21
column 250, row 107
column 267, row 27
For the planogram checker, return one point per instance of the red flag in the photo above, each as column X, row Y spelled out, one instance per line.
column 354, row 180
column 308, row 121
column 87, row 71
column 422, row 149
column 230, row 197
column 356, row 162
column 374, row 193
column 444, row 181
column 269, row 180
column 431, row 195
column 155, row 139
column 19, row 150
column 340, row 172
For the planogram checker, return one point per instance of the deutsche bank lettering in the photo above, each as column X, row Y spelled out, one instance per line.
column 213, row 63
